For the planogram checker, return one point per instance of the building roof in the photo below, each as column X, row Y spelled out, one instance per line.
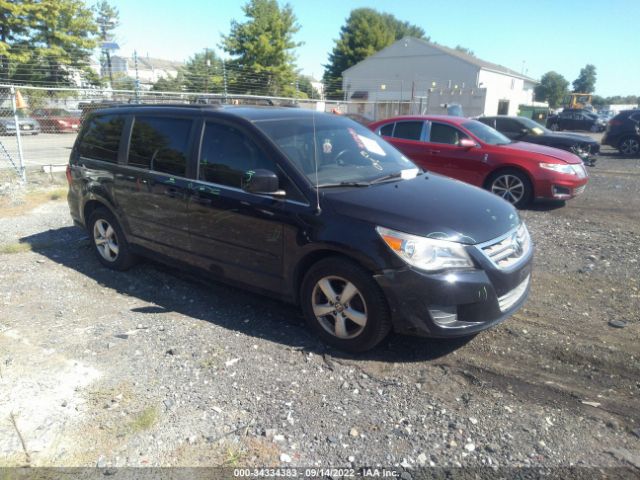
column 149, row 63
column 465, row 57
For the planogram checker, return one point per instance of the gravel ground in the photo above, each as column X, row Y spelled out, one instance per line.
column 154, row 367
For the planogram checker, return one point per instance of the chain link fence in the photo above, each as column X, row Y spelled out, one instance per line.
column 48, row 119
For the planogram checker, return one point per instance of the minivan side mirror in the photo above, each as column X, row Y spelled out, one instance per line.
column 261, row 181
column 467, row 143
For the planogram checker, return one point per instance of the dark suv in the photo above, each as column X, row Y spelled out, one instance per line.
column 623, row 133
column 576, row 119
column 311, row 208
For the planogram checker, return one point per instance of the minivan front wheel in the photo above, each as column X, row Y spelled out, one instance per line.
column 344, row 306
column 629, row 146
column 108, row 241
column 513, row 186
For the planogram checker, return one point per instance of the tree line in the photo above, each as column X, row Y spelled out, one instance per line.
column 51, row 42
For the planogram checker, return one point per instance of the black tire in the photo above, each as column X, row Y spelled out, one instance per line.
column 369, row 298
column 498, row 178
column 123, row 259
column 629, row 146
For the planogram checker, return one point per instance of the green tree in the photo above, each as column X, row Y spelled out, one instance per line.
column 203, row 73
column 107, row 20
column 365, row 32
column 170, row 84
column 263, row 49
column 552, row 88
column 15, row 21
column 305, row 89
column 64, row 35
column 586, row 81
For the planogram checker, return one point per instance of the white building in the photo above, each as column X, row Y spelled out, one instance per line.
column 419, row 77
column 150, row 70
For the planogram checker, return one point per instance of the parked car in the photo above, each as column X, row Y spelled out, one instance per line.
column 576, row 119
column 526, row 130
column 623, row 133
column 311, row 208
column 28, row 125
column 57, row 120
column 475, row 153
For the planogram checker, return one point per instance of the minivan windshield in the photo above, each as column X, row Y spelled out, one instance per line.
column 346, row 153
column 485, row 133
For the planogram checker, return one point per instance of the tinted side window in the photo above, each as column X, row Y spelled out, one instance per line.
column 160, row 144
column 101, row 139
column 488, row 121
column 508, row 125
column 441, row 133
column 227, row 154
column 408, row 130
column 387, row 130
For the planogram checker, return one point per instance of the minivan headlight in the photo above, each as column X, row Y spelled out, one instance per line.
column 425, row 253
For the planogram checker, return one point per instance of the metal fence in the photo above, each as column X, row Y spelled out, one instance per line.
column 48, row 119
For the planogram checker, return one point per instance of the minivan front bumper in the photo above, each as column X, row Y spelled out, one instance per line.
column 456, row 303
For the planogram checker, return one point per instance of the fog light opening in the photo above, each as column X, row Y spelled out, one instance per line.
column 443, row 315
column 561, row 193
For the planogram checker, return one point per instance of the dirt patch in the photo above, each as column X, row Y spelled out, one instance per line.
column 152, row 368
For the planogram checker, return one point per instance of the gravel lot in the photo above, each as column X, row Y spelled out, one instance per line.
column 154, row 367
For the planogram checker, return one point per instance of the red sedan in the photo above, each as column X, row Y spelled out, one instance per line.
column 477, row 154
column 57, row 120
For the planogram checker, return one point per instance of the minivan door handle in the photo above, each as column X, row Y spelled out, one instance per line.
column 201, row 200
column 433, row 152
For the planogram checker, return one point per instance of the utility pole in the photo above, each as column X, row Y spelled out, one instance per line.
column 208, row 64
column 137, row 85
column 224, row 79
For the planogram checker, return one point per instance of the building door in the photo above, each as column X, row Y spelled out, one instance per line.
column 503, row 107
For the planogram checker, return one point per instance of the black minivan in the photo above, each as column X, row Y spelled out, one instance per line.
column 308, row 207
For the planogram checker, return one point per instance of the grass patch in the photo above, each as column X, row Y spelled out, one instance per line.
column 233, row 456
column 58, row 193
column 15, row 248
column 22, row 203
column 144, row 420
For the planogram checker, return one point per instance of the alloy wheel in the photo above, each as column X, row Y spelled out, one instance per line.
column 508, row 187
column 106, row 240
column 339, row 307
column 630, row 146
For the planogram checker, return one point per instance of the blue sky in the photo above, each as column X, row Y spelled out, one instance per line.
column 534, row 36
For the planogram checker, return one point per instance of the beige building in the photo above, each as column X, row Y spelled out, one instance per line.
column 420, row 77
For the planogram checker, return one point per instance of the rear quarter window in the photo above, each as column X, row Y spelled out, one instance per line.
column 160, row 144
column 101, row 138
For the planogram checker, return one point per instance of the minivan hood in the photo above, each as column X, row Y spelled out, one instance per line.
column 429, row 205
column 522, row 148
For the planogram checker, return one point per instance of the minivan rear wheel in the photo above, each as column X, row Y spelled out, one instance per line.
column 108, row 241
column 344, row 306
column 629, row 146
column 511, row 185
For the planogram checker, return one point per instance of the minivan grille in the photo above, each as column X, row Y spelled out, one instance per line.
column 507, row 251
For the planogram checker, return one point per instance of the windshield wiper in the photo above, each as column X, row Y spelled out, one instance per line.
column 344, row 184
column 393, row 176
column 385, row 178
